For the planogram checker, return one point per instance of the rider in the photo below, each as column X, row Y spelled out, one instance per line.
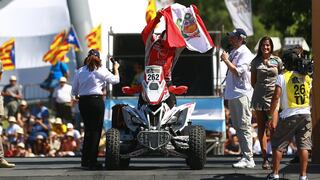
column 158, row 52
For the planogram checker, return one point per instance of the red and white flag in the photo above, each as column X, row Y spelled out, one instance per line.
column 184, row 23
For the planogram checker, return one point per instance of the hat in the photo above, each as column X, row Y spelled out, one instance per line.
column 20, row 131
column 21, row 144
column 70, row 133
column 12, row 119
column 13, row 78
column 63, row 79
column 69, row 126
column 238, row 32
column 39, row 137
column 23, row 103
column 94, row 52
column 58, row 121
column 232, row 131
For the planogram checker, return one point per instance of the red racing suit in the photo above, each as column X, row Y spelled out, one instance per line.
column 157, row 50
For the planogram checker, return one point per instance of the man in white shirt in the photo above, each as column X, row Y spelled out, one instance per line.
column 62, row 96
column 238, row 92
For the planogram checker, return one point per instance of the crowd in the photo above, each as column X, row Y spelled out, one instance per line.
column 38, row 131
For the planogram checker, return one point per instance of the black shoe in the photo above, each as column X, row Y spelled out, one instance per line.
column 93, row 167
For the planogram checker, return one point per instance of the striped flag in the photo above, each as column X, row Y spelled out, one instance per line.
column 94, row 38
column 7, row 55
column 58, row 49
column 151, row 10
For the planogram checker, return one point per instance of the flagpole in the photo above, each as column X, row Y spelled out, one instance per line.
column 81, row 20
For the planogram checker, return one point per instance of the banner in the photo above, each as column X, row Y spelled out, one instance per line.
column 94, row 38
column 241, row 14
column 190, row 27
column 7, row 55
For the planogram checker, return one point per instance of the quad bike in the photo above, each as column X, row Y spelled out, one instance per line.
column 154, row 127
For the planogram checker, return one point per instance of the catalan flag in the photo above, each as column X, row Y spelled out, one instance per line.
column 73, row 39
column 94, row 38
column 7, row 55
column 151, row 10
column 58, row 49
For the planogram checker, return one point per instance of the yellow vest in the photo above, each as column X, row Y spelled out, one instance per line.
column 298, row 89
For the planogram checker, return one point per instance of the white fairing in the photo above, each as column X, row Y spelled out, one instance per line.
column 154, row 86
column 178, row 116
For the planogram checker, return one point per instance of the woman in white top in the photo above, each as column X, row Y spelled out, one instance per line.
column 88, row 83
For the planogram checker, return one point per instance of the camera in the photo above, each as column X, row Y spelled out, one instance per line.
column 293, row 61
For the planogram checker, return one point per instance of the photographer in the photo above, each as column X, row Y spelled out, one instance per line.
column 293, row 89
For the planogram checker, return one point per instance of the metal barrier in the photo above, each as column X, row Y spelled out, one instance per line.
column 32, row 92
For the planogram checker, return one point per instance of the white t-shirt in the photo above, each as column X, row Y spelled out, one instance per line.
column 286, row 111
column 63, row 94
column 240, row 84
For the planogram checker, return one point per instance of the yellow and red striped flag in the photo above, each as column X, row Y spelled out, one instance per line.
column 7, row 55
column 94, row 38
column 151, row 10
column 58, row 49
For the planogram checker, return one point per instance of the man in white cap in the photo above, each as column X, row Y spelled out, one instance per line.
column 238, row 92
column 12, row 93
column 63, row 100
column 3, row 162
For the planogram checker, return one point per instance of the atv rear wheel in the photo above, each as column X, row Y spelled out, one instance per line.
column 197, row 147
column 113, row 149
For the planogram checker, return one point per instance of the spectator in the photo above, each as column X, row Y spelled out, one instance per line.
column 55, row 144
column 40, row 147
column 238, row 92
column 38, row 128
column 23, row 115
column 20, row 136
column 76, row 134
column 40, row 110
column 68, row 145
column 3, row 162
column 62, row 100
column 12, row 93
column 232, row 145
column 57, row 71
column 264, row 71
column 21, row 151
column 59, row 128
column 12, row 130
column 139, row 74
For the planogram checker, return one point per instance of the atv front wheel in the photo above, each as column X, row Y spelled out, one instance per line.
column 113, row 149
column 197, row 147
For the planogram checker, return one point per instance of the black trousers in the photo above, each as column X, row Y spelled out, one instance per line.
column 92, row 111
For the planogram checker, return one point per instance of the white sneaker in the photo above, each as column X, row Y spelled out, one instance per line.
column 244, row 163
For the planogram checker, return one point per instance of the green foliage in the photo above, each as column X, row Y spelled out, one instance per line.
column 282, row 18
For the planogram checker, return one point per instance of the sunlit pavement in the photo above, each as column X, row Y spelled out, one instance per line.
column 218, row 167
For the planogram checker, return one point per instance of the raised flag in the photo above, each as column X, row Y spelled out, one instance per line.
column 241, row 14
column 73, row 39
column 51, row 55
column 94, row 38
column 7, row 55
column 185, row 23
column 151, row 11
